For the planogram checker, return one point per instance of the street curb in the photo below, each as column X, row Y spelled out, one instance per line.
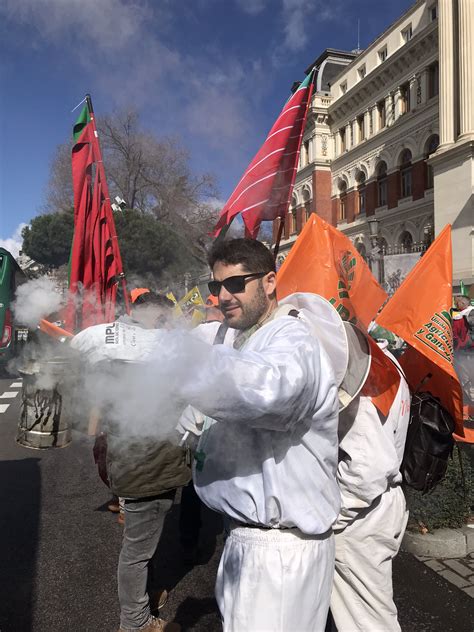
column 442, row 543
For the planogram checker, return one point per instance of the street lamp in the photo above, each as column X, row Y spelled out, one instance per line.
column 375, row 256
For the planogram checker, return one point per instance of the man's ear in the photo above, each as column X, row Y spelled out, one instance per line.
column 269, row 283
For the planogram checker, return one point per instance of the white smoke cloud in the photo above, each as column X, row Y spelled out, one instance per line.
column 14, row 243
column 35, row 300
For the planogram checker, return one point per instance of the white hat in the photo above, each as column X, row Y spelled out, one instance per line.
column 344, row 343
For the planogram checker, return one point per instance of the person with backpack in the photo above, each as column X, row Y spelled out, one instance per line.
column 373, row 515
column 463, row 339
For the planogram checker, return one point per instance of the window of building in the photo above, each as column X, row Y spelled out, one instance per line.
column 430, row 148
column 407, row 34
column 342, row 202
column 361, row 127
column 305, row 154
column 382, row 181
column 382, row 54
column 362, row 72
column 433, row 80
column 361, row 193
column 361, row 249
column 342, row 138
column 293, row 223
column 343, row 87
column 405, row 173
column 405, row 98
column 382, row 114
column 433, row 12
column 406, row 241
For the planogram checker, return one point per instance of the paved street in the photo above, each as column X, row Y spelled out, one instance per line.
column 59, row 548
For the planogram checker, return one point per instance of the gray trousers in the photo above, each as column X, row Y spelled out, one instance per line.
column 144, row 519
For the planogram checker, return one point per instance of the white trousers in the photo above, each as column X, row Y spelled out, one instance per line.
column 362, row 596
column 275, row 580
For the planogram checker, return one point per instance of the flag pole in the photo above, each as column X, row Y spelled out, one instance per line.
column 108, row 207
column 278, row 239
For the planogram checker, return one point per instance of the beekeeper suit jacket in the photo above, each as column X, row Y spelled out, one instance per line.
column 269, row 446
column 373, row 513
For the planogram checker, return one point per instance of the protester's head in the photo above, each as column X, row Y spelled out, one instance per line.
column 152, row 310
column 462, row 302
column 244, row 281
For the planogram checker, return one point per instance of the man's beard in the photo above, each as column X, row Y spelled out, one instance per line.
column 253, row 312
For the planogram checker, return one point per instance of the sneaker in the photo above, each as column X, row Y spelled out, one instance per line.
column 158, row 625
column 158, row 599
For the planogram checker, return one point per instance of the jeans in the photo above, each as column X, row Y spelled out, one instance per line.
column 144, row 519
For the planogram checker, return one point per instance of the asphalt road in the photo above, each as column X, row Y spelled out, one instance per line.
column 59, row 547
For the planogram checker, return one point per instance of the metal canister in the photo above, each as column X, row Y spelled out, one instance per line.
column 44, row 421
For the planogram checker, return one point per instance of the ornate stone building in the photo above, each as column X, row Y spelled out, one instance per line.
column 387, row 154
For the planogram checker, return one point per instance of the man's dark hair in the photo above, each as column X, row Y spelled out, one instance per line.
column 153, row 298
column 251, row 254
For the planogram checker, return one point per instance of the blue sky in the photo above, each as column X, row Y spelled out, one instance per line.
column 213, row 72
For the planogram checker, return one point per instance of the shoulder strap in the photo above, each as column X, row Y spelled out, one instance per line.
column 220, row 335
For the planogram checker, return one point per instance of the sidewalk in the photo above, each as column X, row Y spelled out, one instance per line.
column 459, row 571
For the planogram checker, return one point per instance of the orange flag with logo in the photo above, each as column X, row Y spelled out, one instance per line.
column 324, row 261
column 419, row 312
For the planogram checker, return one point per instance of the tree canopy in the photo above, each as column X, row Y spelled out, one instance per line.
column 48, row 238
column 152, row 252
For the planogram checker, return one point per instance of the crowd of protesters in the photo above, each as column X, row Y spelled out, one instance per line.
column 285, row 445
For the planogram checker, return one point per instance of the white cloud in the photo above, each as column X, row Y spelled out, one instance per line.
column 252, row 7
column 298, row 17
column 122, row 46
column 13, row 244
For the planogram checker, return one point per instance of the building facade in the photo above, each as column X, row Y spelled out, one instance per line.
column 387, row 155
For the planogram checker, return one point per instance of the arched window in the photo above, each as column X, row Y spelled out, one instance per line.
column 307, row 205
column 430, row 148
column 293, row 223
column 406, row 241
column 382, row 184
column 405, row 173
column 342, row 201
column 361, row 249
column 361, row 192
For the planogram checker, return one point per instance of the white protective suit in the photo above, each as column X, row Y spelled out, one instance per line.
column 373, row 515
column 269, row 462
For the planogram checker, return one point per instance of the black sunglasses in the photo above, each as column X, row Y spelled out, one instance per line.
column 233, row 284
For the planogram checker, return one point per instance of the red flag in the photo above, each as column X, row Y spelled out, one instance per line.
column 419, row 312
column 95, row 258
column 265, row 189
column 324, row 261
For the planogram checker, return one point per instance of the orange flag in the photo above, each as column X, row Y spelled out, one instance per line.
column 419, row 312
column 325, row 262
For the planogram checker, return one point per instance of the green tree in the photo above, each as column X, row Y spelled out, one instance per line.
column 152, row 252
column 48, row 239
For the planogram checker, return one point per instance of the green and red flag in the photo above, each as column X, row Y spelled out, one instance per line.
column 95, row 264
column 265, row 189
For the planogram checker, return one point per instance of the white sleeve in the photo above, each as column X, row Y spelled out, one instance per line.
column 368, row 459
column 273, row 388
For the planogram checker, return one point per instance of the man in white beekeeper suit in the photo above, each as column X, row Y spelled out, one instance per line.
column 268, row 453
column 267, row 456
column 373, row 515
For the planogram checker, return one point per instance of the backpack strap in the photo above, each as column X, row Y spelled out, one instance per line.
column 220, row 334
